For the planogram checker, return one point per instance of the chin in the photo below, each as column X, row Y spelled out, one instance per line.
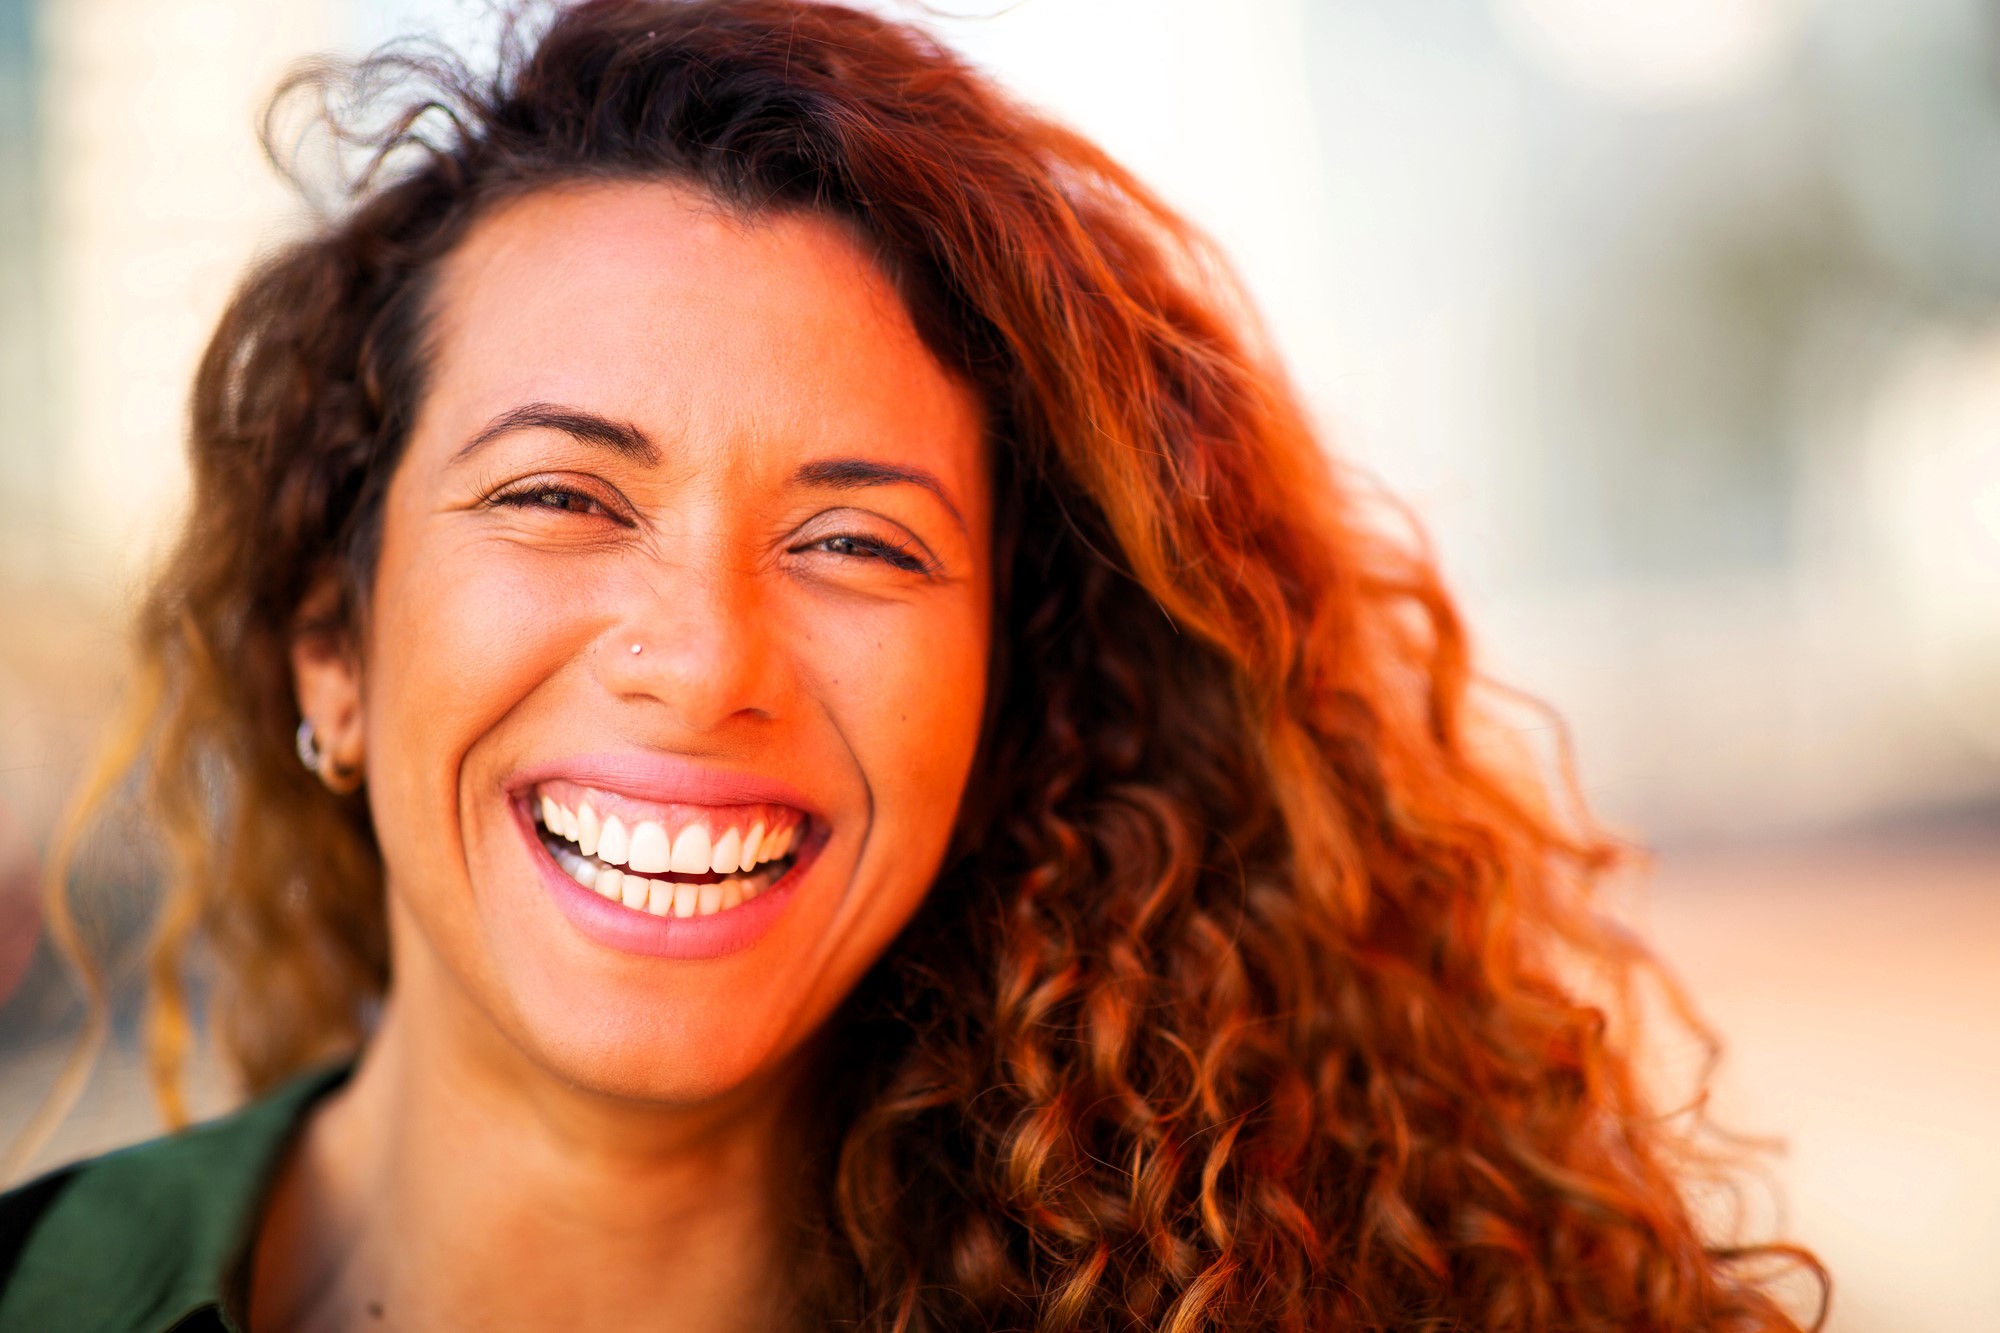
column 667, row 945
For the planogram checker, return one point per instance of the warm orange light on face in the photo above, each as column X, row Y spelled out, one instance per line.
column 651, row 423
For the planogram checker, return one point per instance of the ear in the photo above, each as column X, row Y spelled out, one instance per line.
column 326, row 675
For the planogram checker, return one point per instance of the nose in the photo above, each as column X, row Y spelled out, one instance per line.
column 691, row 642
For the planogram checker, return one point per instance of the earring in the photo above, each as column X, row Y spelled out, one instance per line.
column 308, row 745
column 339, row 778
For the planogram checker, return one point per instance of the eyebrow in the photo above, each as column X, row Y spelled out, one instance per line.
column 586, row 427
column 626, row 439
column 857, row 473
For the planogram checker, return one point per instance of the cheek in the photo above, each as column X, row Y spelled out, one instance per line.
column 909, row 706
column 458, row 638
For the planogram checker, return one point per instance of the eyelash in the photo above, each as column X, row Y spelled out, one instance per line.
column 892, row 553
column 532, row 497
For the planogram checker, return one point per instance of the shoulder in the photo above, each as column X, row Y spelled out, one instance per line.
column 21, row 1209
column 138, row 1240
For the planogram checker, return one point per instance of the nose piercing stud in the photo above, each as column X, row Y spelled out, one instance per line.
column 636, row 648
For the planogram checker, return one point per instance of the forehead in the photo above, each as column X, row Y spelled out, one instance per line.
column 653, row 301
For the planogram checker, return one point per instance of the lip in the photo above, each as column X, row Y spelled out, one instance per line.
column 666, row 780
column 662, row 778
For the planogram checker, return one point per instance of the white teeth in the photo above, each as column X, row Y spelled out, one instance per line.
column 612, row 842
column 649, row 849
column 691, row 852
column 624, row 865
column 728, row 851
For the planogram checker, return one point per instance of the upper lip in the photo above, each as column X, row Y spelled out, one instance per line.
column 665, row 779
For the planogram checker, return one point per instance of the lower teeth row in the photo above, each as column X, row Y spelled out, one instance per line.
column 661, row 897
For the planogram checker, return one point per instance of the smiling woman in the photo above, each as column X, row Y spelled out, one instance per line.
column 734, row 483
column 861, row 768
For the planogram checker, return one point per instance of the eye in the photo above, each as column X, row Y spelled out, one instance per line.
column 551, row 496
column 868, row 548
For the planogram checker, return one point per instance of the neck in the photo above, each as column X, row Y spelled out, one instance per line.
column 453, row 1183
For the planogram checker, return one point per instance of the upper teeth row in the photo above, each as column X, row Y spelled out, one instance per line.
column 647, row 849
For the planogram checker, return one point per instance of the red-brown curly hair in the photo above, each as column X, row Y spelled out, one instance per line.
column 1263, row 988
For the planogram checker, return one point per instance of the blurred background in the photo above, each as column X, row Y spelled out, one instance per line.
column 1676, row 321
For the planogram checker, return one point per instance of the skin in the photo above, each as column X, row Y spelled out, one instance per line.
column 546, row 1132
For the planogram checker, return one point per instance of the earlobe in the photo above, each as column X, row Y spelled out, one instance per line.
column 340, row 778
column 326, row 678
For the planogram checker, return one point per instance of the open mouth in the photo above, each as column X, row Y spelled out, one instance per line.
column 666, row 860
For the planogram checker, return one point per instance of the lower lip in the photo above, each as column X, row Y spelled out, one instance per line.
column 616, row 926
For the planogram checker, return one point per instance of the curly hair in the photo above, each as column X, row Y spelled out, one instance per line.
column 1264, row 986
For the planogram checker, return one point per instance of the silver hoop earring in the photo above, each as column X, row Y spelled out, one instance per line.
column 308, row 745
column 340, row 779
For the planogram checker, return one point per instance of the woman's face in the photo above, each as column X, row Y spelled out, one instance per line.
column 688, row 558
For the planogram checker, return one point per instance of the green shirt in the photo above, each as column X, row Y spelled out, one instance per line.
column 153, row 1238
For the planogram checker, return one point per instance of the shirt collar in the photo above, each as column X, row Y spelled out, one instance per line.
column 151, row 1238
